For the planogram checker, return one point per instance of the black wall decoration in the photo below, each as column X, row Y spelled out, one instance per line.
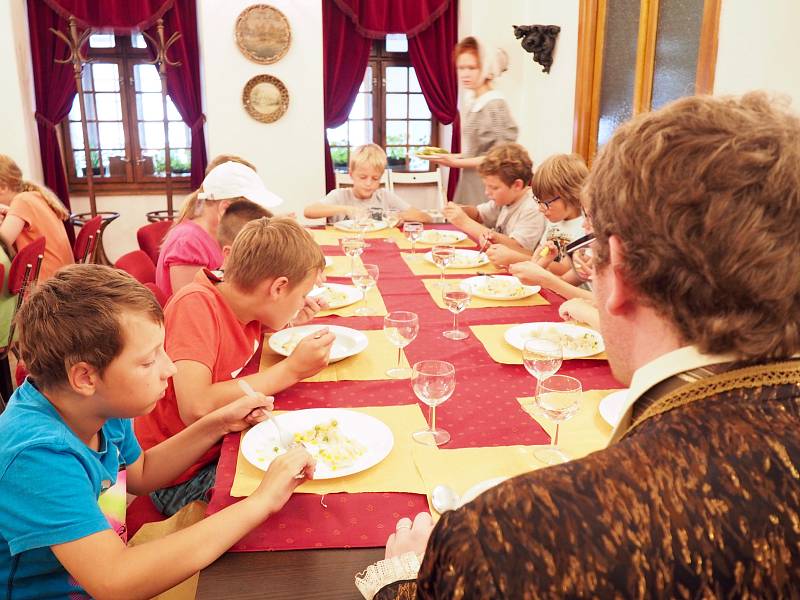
column 540, row 40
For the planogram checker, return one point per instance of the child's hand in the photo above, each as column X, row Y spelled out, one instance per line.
column 280, row 480
column 530, row 273
column 546, row 254
column 486, row 239
column 578, row 309
column 501, row 255
column 455, row 214
column 311, row 354
column 243, row 413
column 311, row 308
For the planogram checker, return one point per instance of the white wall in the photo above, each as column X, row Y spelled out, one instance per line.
column 759, row 47
column 289, row 154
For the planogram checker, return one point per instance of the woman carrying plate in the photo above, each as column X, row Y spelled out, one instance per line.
column 486, row 120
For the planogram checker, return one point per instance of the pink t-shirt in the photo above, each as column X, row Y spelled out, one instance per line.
column 186, row 244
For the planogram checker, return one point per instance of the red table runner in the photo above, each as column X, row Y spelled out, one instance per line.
column 483, row 411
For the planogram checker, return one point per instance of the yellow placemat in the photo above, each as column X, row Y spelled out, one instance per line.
column 330, row 236
column 420, row 266
column 396, row 473
column 369, row 365
column 432, row 285
column 404, row 244
column 585, row 432
column 374, row 303
column 491, row 336
column 340, row 266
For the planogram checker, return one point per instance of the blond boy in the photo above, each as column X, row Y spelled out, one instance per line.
column 510, row 218
column 213, row 329
column 367, row 165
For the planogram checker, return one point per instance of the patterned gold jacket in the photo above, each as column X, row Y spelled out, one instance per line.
column 701, row 500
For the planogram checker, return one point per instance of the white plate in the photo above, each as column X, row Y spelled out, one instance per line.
column 477, row 286
column 477, row 489
column 612, row 406
column 328, row 261
column 467, row 259
column 338, row 295
column 350, row 226
column 348, row 342
column 369, row 432
column 434, row 237
column 519, row 334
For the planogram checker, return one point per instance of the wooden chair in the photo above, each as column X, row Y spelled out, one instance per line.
column 425, row 188
column 138, row 264
column 150, row 237
column 343, row 180
column 86, row 240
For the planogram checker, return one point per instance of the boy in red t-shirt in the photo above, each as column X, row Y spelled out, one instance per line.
column 213, row 329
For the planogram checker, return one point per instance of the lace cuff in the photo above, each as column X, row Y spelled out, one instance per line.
column 384, row 572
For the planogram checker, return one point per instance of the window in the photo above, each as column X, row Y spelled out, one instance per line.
column 125, row 122
column 389, row 110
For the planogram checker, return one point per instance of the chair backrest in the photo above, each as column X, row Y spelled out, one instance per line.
column 138, row 264
column 28, row 259
column 86, row 240
column 160, row 295
column 150, row 237
column 423, row 189
column 343, row 180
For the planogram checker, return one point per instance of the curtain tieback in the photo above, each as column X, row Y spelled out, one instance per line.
column 198, row 123
column 45, row 121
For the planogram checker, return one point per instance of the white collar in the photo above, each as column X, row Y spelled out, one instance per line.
column 659, row 369
column 482, row 100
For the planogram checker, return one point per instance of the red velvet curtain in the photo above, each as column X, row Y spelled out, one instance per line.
column 344, row 59
column 432, row 29
column 54, row 83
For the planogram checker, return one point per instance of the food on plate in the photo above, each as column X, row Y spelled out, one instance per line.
column 291, row 342
column 333, row 297
column 438, row 237
column 503, row 288
column 584, row 343
column 428, row 150
column 465, row 260
column 327, row 443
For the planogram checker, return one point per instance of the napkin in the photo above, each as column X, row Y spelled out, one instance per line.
column 374, row 303
column 432, row 285
column 340, row 266
column 396, row 473
column 491, row 336
column 420, row 266
column 369, row 365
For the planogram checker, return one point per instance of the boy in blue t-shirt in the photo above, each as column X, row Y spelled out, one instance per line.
column 93, row 341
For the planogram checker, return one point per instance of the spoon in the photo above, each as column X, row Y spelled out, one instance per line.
column 445, row 498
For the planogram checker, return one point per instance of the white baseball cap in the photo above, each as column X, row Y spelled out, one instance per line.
column 232, row 180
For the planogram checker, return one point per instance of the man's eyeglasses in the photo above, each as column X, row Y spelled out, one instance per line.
column 580, row 253
column 546, row 203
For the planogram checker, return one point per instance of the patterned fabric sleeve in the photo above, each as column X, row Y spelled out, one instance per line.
column 497, row 126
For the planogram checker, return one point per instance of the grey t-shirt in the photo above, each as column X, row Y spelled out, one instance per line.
column 382, row 198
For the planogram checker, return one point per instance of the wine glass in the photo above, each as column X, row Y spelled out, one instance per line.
column 352, row 247
column 456, row 298
column 391, row 216
column 433, row 381
column 542, row 358
column 362, row 219
column 412, row 230
column 558, row 398
column 365, row 278
column 401, row 327
column 443, row 256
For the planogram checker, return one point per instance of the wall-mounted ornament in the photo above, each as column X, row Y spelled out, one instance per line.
column 539, row 40
column 263, row 33
column 265, row 98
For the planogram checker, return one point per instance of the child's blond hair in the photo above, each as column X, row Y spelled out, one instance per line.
column 561, row 175
column 369, row 155
column 268, row 248
column 508, row 162
column 11, row 178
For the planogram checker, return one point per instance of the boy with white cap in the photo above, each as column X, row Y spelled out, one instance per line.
column 191, row 244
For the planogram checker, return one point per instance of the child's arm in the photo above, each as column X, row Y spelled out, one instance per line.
column 578, row 309
column 181, row 275
column 106, row 568
column 163, row 463
column 10, row 229
column 502, row 256
column 415, row 214
column 509, row 242
column 532, row 274
column 317, row 210
column 466, row 218
column 197, row 396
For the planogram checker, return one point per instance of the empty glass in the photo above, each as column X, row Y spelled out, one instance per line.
column 412, row 230
column 365, row 278
column 401, row 327
column 456, row 298
column 352, row 247
column 362, row 219
column 443, row 256
column 559, row 399
column 391, row 216
column 433, row 381
column 542, row 358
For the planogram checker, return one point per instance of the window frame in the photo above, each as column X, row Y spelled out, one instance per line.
column 126, row 56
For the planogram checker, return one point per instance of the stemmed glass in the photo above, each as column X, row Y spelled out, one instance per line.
column 542, row 358
column 391, row 216
column 412, row 230
column 443, row 256
column 401, row 327
column 365, row 279
column 558, row 398
column 352, row 247
column 456, row 298
column 433, row 381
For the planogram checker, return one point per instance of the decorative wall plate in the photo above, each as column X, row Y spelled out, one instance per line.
column 265, row 98
column 263, row 33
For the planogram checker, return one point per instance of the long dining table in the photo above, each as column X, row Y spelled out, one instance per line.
column 313, row 547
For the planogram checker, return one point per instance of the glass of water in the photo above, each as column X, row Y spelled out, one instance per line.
column 456, row 298
column 412, row 230
column 443, row 256
column 433, row 381
column 352, row 247
column 559, row 399
column 365, row 278
column 391, row 216
column 542, row 358
column 401, row 328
